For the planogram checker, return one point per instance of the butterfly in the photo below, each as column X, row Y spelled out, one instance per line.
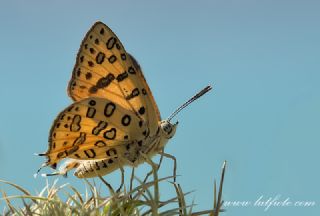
column 114, row 120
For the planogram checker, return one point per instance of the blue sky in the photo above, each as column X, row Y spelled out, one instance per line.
column 262, row 58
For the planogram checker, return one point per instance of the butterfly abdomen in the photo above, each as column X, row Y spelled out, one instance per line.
column 133, row 154
column 89, row 169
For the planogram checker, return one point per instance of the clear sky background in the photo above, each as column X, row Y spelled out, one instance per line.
column 263, row 116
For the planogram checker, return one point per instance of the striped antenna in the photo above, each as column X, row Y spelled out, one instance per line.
column 195, row 97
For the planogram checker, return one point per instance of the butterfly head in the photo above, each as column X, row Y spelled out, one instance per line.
column 167, row 129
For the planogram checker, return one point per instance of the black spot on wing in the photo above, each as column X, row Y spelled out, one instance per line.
column 90, row 64
column 91, row 112
column 105, row 81
column 126, row 119
column 88, row 75
column 142, row 110
column 111, row 152
column 90, row 153
column 131, row 70
column 111, row 42
column 101, row 126
column 110, row 134
column 109, row 109
column 92, row 102
column 100, row 144
column 100, row 58
column 92, row 51
column 122, row 76
column 112, row 59
column 135, row 92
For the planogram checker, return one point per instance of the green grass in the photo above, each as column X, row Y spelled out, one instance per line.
column 144, row 199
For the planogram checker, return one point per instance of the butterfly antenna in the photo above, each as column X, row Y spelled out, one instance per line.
column 195, row 97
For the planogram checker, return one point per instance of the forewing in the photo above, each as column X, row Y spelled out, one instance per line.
column 104, row 69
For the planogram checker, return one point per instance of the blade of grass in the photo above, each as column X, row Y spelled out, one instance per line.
column 180, row 196
column 219, row 201
column 4, row 195
column 18, row 187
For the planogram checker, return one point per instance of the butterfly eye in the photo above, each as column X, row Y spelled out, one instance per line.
column 168, row 128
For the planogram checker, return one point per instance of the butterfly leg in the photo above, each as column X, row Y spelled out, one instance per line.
column 174, row 163
column 107, row 184
column 149, row 173
column 155, row 177
column 131, row 179
column 122, row 179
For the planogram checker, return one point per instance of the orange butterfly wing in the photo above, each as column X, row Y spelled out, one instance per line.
column 105, row 73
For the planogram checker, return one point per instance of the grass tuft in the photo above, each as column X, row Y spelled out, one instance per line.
column 143, row 199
